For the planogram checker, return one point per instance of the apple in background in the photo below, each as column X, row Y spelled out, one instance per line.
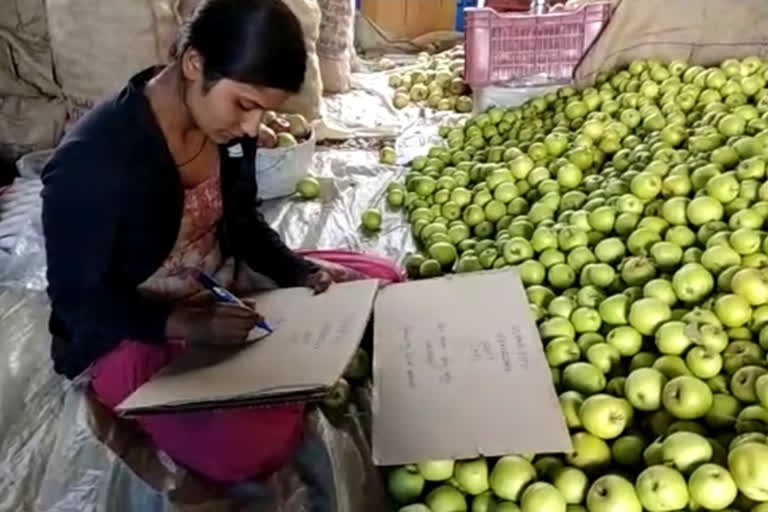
column 405, row 485
column 604, row 416
column 643, row 388
column 659, row 422
column 615, row 386
column 570, row 402
column 507, row 506
column 510, row 475
column 572, row 484
column 589, row 452
column 712, row 487
column 547, row 466
column 752, row 418
column 612, row 493
column 685, row 451
column 719, row 453
column 743, row 382
column 542, row 497
column 741, row 353
column 642, row 360
column 628, row 450
column 484, row 502
column 298, row 125
column 671, row 366
column 748, row 464
column 416, row 507
column 662, row 489
column 472, row 475
column 748, row 437
column 718, row 384
column 339, row 394
column 436, row 470
column 446, row 499
column 652, row 453
column 687, row 426
column 687, row 397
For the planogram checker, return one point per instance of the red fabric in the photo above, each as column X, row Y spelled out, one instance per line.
column 226, row 446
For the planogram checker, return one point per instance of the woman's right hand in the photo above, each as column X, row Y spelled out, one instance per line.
column 212, row 324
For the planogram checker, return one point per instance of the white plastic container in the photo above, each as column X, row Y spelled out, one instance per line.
column 279, row 169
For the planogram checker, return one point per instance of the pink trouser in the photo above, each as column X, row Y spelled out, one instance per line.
column 226, row 446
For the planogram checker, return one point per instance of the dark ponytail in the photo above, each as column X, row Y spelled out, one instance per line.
column 258, row 42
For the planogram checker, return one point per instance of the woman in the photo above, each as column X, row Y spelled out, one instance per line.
column 156, row 181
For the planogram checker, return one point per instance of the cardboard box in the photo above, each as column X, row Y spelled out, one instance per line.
column 408, row 19
column 459, row 368
column 460, row 371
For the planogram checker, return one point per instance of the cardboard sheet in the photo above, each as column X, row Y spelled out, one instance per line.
column 459, row 371
column 314, row 338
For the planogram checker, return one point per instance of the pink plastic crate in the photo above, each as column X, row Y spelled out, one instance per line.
column 503, row 47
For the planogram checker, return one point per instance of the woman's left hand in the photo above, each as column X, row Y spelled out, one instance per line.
column 319, row 281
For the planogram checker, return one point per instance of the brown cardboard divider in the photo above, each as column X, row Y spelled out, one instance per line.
column 314, row 338
column 460, row 371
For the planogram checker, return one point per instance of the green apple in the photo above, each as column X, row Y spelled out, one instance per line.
column 687, row 397
column 570, row 403
column 628, row 450
column 748, row 465
column 685, row 451
column 743, row 382
column 416, row 507
column 612, row 493
column 703, row 363
column 572, row 484
column 562, row 350
column 510, row 475
column 547, row 465
column 542, row 497
column 671, row 366
column 583, row 377
column 642, row 360
column 589, row 451
column 652, row 453
column 604, row 416
column 662, row 489
column 472, row 475
column 603, row 356
column 625, row 339
column 671, row 338
column 725, row 408
column 436, row 470
column 647, row 314
column 752, row 418
column 405, row 484
column 484, row 502
column 711, row 486
column 761, row 390
column 507, row 506
column 446, row 498
column 643, row 388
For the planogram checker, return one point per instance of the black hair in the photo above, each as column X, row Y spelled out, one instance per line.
column 258, row 42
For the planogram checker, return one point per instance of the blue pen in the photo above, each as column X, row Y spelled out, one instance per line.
column 225, row 295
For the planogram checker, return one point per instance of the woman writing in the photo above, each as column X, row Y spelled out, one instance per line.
column 155, row 181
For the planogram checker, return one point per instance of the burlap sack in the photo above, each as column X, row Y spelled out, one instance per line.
column 335, row 47
column 703, row 32
column 307, row 102
column 29, row 124
column 99, row 44
column 26, row 66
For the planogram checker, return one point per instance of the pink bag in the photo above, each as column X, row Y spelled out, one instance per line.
column 351, row 265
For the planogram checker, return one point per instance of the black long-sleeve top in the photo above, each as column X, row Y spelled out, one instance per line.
column 112, row 208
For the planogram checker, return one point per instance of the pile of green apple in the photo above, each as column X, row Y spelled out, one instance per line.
column 634, row 211
column 437, row 82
